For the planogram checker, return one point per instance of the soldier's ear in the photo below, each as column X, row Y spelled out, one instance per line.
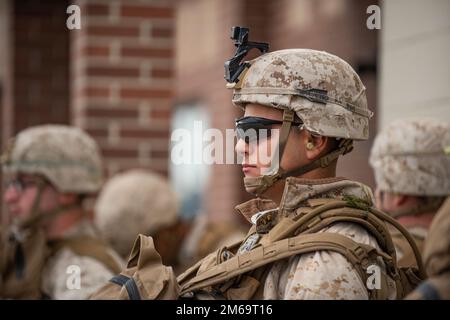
column 314, row 145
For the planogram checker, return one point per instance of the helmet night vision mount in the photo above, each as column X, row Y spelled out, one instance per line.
column 234, row 67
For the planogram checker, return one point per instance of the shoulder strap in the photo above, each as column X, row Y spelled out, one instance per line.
column 216, row 255
column 400, row 242
column 350, row 209
column 129, row 284
column 90, row 247
column 292, row 236
column 360, row 256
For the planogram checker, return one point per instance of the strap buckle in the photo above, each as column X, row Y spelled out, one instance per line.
column 288, row 115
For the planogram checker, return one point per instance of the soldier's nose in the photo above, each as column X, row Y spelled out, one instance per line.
column 241, row 147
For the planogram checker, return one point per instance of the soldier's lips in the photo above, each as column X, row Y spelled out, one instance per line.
column 247, row 168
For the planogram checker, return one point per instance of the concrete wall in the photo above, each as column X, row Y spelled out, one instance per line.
column 415, row 64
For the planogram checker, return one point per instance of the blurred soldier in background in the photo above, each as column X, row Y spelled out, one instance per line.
column 50, row 249
column 411, row 162
column 141, row 202
column 436, row 258
column 207, row 236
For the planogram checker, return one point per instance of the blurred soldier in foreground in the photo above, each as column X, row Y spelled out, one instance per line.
column 436, row 258
column 412, row 170
column 50, row 248
column 313, row 235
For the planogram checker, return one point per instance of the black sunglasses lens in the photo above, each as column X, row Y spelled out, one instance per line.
column 252, row 133
column 252, row 129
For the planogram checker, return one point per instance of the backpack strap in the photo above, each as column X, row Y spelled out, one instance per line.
column 407, row 258
column 298, row 235
column 90, row 247
column 374, row 217
column 216, row 255
column 129, row 284
column 360, row 256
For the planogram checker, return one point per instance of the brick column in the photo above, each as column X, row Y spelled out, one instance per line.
column 121, row 72
column 39, row 64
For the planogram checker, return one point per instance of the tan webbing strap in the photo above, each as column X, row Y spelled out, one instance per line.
column 194, row 269
column 289, row 228
column 322, row 162
column 262, row 183
column 280, row 231
column 288, row 118
column 89, row 247
column 408, row 237
column 359, row 255
column 40, row 217
column 407, row 259
column 346, row 214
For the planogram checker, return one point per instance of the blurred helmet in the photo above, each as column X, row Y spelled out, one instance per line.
column 322, row 89
column 413, row 157
column 134, row 202
column 66, row 156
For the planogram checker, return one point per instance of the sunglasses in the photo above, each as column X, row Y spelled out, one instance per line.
column 253, row 129
column 19, row 184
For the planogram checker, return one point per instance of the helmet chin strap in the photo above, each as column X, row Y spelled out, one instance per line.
column 24, row 229
column 259, row 185
column 37, row 217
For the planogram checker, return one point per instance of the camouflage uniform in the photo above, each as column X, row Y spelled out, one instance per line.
column 94, row 273
column 323, row 274
column 69, row 160
column 411, row 157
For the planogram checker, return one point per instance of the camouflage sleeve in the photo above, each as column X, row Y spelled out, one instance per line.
column 68, row 276
column 320, row 275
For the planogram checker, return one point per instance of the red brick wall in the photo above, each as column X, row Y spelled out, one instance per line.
column 40, row 63
column 121, row 75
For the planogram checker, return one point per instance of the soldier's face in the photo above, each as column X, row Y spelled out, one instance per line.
column 254, row 163
column 20, row 194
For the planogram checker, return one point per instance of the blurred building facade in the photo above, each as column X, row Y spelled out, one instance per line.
column 137, row 68
column 414, row 62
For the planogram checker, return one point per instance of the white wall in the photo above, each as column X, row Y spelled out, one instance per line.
column 415, row 60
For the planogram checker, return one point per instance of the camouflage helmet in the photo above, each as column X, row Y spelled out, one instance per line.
column 133, row 202
column 319, row 88
column 66, row 156
column 322, row 89
column 412, row 157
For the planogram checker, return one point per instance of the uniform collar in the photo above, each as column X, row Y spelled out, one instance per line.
column 299, row 193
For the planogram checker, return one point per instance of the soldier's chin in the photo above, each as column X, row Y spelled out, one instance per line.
column 251, row 190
